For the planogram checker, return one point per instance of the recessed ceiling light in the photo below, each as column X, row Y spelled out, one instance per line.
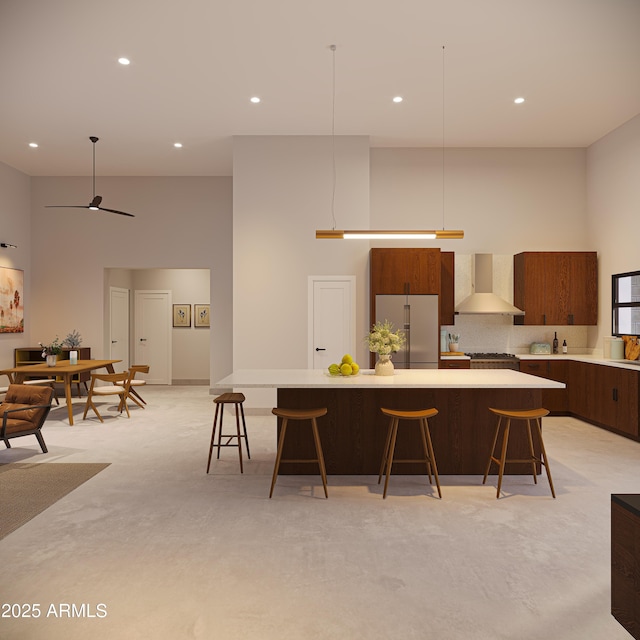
column 255, row 99
column 124, row 61
column 519, row 100
column 398, row 99
column 33, row 145
column 177, row 145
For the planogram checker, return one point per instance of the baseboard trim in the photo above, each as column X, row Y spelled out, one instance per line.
column 188, row 382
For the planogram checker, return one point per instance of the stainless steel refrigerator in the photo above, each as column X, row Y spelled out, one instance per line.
column 417, row 316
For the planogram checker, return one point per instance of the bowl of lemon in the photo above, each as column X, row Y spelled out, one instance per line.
column 347, row 367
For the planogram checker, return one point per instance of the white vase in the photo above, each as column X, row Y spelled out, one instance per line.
column 453, row 346
column 384, row 366
column 51, row 360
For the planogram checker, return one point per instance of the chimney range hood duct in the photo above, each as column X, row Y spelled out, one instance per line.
column 483, row 300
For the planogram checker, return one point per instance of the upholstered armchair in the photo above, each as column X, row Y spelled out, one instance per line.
column 23, row 412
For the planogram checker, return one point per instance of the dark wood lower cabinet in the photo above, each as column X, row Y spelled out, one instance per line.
column 605, row 396
column 353, row 431
column 597, row 393
column 555, row 400
column 625, row 561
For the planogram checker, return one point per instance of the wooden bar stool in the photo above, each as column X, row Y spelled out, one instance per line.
column 236, row 399
column 387, row 457
column 300, row 414
column 527, row 416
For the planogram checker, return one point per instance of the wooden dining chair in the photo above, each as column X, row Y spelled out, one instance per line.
column 137, row 382
column 116, row 384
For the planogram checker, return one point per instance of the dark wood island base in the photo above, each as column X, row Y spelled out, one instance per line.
column 353, row 431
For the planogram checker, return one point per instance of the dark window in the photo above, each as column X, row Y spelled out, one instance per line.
column 625, row 295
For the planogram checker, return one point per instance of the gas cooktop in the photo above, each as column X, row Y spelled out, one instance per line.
column 491, row 356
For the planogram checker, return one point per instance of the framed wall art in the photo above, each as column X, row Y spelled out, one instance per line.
column 201, row 315
column 181, row 315
column 11, row 300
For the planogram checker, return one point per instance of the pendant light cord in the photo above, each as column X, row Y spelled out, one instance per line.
column 443, row 226
column 333, row 136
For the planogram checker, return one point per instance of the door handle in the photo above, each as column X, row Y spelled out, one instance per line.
column 319, row 349
column 615, row 395
column 113, row 341
column 143, row 339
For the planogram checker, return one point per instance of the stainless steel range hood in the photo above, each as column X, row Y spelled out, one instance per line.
column 483, row 300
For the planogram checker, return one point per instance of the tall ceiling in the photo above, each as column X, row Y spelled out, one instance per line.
column 196, row 63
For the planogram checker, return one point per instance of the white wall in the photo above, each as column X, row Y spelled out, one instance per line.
column 15, row 228
column 613, row 171
column 282, row 188
column 505, row 200
column 180, row 223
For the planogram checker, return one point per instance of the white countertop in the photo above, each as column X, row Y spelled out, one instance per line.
column 592, row 359
column 403, row 379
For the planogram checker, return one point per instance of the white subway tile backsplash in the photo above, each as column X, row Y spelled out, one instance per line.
column 491, row 333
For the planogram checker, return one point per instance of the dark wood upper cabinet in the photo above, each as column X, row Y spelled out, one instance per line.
column 411, row 271
column 447, row 288
column 556, row 288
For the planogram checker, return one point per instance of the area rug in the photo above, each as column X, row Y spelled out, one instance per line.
column 28, row 489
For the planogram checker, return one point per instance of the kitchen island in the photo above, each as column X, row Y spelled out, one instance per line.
column 353, row 431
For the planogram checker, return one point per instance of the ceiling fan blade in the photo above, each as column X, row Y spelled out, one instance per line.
column 79, row 206
column 122, row 213
column 65, row 206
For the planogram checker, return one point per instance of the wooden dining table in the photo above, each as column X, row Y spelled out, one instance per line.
column 63, row 370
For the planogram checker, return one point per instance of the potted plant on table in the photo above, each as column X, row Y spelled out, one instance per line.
column 73, row 341
column 51, row 351
column 384, row 341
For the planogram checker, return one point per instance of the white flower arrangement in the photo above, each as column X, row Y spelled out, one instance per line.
column 383, row 340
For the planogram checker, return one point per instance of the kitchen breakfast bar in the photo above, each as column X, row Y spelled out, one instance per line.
column 353, row 431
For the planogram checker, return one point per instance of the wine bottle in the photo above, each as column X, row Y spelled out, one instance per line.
column 555, row 342
column 564, row 346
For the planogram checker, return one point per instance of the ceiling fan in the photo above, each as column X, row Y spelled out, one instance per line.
column 94, row 205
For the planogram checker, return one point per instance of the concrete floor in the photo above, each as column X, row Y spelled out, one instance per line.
column 171, row 553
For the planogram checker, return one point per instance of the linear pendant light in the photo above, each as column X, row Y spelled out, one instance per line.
column 389, row 234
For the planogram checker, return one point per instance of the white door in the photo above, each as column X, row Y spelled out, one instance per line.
column 153, row 334
column 332, row 321
column 119, row 327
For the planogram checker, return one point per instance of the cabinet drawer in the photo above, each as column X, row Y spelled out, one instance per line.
column 535, row 367
column 454, row 364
